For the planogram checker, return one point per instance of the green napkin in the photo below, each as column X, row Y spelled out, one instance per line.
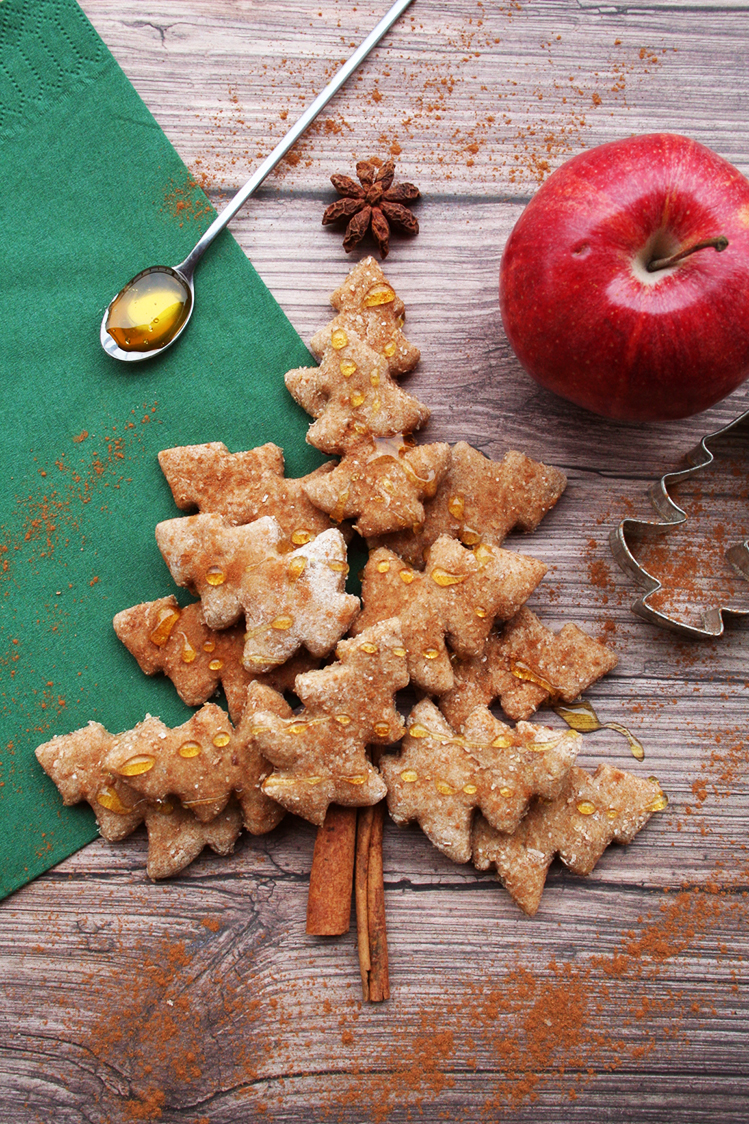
column 92, row 192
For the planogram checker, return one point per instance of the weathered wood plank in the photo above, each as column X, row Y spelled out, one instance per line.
column 202, row 999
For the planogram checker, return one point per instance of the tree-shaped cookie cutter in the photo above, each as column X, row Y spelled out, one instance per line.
column 636, row 530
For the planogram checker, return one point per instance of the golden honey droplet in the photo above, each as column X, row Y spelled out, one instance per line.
column 418, row 731
column 282, row 624
column 338, row 567
column 406, row 576
column 216, row 665
column 470, row 789
column 215, row 576
column 134, row 766
column 658, row 803
column 382, row 729
column 274, row 781
column 109, row 798
column 166, row 621
column 586, row 808
column 383, row 567
column 390, row 349
column 297, row 728
column 343, row 719
column 400, row 652
column 480, row 612
column 189, row 655
column 209, row 646
column 190, row 749
column 339, row 511
column 296, row 567
column 221, row 739
column 313, row 780
column 636, row 747
column 149, row 311
column 339, row 339
column 355, row 780
column 368, row 647
column 505, row 792
column 347, row 368
column 374, row 379
column 502, row 741
column 444, row 578
column 521, row 671
column 483, row 553
column 456, row 506
column 357, row 398
column 444, row 788
column 469, row 537
column 611, row 813
column 378, row 294
column 430, row 654
column 410, row 776
column 580, row 717
column 301, row 537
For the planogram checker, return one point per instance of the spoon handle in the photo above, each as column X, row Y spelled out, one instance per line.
column 188, row 265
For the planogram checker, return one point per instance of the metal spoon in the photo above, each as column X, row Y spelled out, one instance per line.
column 152, row 311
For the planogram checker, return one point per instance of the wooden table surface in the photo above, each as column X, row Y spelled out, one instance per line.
column 201, row 999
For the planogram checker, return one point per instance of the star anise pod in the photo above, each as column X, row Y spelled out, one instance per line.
column 375, row 202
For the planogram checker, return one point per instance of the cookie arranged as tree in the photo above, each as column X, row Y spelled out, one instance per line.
column 443, row 608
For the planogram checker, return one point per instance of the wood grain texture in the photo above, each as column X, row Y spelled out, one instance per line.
column 624, row 1001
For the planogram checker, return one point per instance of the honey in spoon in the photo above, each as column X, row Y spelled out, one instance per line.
column 150, row 311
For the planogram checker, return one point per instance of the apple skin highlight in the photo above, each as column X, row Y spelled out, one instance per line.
column 583, row 314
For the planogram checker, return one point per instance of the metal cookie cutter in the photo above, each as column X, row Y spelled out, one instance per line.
column 636, row 530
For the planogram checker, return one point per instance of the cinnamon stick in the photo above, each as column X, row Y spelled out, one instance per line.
column 379, row 982
column 369, row 894
column 361, row 894
column 332, row 874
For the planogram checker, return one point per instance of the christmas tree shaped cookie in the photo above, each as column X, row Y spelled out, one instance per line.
column 454, row 601
column 163, row 636
column 244, row 487
column 369, row 307
column 176, row 836
column 380, row 482
column 320, row 754
column 440, row 777
column 480, row 500
column 74, row 763
column 288, row 599
column 525, row 666
column 589, row 813
column 203, row 762
column 352, row 393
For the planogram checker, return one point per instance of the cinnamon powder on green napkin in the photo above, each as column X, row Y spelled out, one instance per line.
column 88, row 188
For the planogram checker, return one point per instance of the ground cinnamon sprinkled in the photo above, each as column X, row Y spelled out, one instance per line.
column 178, row 1024
column 464, row 115
column 183, row 202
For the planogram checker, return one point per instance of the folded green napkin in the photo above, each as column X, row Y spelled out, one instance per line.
column 92, row 192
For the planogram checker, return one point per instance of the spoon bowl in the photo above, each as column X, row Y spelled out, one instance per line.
column 149, row 314
column 152, row 311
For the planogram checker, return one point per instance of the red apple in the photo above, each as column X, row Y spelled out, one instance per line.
column 593, row 300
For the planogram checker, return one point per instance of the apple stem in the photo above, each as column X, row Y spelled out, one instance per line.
column 718, row 244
